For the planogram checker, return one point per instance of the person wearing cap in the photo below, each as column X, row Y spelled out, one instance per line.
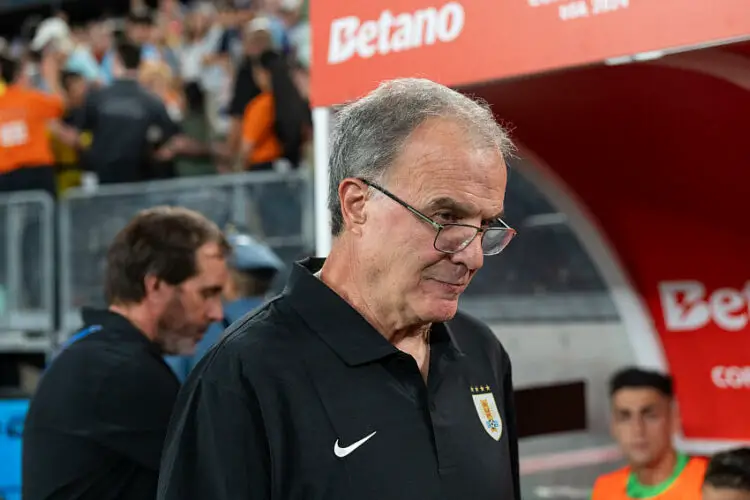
column 253, row 266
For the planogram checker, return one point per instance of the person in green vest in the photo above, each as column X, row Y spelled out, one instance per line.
column 644, row 419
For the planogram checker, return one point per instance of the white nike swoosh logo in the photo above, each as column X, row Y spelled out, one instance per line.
column 342, row 452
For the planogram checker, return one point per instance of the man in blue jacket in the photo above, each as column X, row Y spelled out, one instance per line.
column 253, row 266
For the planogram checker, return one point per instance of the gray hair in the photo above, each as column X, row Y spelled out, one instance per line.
column 369, row 133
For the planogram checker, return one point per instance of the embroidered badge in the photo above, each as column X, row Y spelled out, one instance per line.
column 489, row 415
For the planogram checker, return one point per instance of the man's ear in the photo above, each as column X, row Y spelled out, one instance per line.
column 676, row 427
column 353, row 195
column 153, row 286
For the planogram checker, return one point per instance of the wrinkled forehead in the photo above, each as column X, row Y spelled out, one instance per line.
column 444, row 164
column 208, row 257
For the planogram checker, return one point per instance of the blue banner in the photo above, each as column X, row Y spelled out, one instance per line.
column 12, row 416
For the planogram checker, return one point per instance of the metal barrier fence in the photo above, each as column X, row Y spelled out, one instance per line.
column 545, row 274
column 275, row 207
column 27, row 280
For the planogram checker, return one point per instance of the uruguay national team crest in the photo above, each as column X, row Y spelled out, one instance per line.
column 487, row 410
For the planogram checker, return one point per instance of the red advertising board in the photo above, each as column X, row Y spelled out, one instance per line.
column 461, row 42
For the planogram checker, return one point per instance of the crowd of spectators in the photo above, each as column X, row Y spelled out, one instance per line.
column 176, row 90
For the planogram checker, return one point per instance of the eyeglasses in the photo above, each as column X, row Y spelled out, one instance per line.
column 453, row 238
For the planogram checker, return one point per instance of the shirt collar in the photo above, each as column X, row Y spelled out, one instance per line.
column 118, row 326
column 339, row 325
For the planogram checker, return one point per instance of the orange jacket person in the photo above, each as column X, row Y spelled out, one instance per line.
column 26, row 159
column 643, row 422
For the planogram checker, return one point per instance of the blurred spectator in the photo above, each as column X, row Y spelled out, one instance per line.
column 256, row 40
column 167, row 49
column 125, row 121
column 273, row 126
column 67, row 156
column 294, row 15
column 201, row 74
column 27, row 160
column 169, row 21
column 157, row 77
column 49, row 30
column 53, row 39
column 82, row 60
column 139, row 28
column 100, row 34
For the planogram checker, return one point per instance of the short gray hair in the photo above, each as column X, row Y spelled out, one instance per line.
column 369, row 133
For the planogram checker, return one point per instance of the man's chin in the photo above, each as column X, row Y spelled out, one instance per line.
column 442, row 310
column 183, row 346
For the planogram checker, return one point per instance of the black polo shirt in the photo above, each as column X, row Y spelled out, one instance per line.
column 96, row 425
column 304, row 399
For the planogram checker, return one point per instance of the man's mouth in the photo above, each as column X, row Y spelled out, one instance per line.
column 453, row 286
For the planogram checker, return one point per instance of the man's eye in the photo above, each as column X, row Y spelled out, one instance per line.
column 445, row 216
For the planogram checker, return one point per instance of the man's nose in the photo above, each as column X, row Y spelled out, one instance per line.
column 472, row 256
column 215, row 310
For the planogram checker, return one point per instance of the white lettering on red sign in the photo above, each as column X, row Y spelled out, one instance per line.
column 731, row 377
column 687, row 306
column 394, row 33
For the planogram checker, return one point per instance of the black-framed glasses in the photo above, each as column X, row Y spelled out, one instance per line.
column 452, row 238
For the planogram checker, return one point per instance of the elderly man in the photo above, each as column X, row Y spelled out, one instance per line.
column 97, row 423
column 361, row 380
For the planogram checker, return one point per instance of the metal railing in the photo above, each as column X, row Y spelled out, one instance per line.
column 275, row 207
column 27, row 279
column 545, row 275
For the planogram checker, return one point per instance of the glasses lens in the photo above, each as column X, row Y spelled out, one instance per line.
column 494, row 240
column 454, row 238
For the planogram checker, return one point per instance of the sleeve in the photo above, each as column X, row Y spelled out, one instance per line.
column 169, row 128
column 216, row 446
column 510, row 423
column 132, row 413
column 81, row 61
column 49, row 106
column 258, row 119
column 85, row 117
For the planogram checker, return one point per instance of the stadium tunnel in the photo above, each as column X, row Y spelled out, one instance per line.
column 644, row 154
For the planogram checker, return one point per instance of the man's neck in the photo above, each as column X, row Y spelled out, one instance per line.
column 342, row 274
column 139, row 317
column 659, row 471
